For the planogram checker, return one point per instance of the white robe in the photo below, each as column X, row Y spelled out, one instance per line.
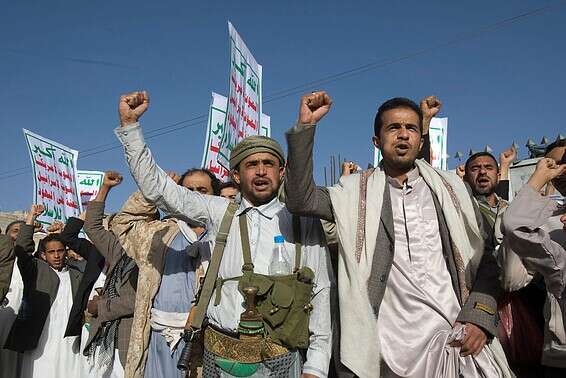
column 353, row 274
column 55, row 356
column 420, row 307
column 10, row 361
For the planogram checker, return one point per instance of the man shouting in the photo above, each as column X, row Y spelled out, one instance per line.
column 416, row 285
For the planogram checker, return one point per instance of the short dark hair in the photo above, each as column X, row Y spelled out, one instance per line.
column 555, row 144
column 13, row 224
column 396, row 103
column 214, row 181
column 477, row 155
column 47, row 239
column 229, row 184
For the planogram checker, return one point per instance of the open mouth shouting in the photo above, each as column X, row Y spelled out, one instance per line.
column 402, row 148
column 261, row 184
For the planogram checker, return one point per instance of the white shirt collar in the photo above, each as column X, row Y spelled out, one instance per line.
column 268, row 210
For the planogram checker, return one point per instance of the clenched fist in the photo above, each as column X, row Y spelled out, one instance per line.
column 461, row 171
column 174, row 176
column 313, row 107
column 349, row 167
column 37, row 210
column 56, row 227
column 132, row 106
column 507, row 157
column 430, row 106
column 111, row 179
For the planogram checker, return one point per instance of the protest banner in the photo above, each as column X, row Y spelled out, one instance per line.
column 438, row 136
column 214, row 130
column 88, row 185
column 243, row 114
column 265, row 129
column 54, row 178
column 519, row 175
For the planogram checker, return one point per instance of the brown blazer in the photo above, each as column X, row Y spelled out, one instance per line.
column 121, row 307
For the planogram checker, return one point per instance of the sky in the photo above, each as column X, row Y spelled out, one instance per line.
column 64, row 64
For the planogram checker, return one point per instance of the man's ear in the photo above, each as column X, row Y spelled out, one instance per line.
column 236, row 176
column 42, row 255
column 376, row 141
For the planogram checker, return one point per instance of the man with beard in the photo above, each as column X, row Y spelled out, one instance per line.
column 416, row 289
column 482, row 175
column 535, row 229
column 164, row 295
column 294, row 306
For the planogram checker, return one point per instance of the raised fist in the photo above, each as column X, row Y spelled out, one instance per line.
column 111, row 179
column 132, row 106
column 507, row 157
column 430, row 106
column 349, row 167
column 55, row 228
column 37, row 210
column 175, row 177
column 461, row 171
column 313, row 107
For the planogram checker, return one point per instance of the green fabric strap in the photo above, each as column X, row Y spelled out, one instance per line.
column 298, row 245
column 486, row 211
column 215, row 259
column 245, row 236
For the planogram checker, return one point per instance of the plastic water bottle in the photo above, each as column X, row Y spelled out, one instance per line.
column 279, row 265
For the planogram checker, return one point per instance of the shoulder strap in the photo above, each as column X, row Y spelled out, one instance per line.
column 298, row 243
column 212, row 272
column 244, row 235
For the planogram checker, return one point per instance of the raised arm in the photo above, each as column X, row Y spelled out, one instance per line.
column 105, row 241
column 506, row 159
column 70, row 237
column 152, row 181
column 24, row 246
column 523, row 226
column 430, row 106
column 302, row 195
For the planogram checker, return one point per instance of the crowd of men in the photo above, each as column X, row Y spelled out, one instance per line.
column 401, row 270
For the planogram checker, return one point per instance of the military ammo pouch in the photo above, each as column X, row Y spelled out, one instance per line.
column 284, row 302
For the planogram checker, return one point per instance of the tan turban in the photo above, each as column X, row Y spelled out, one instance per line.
column 253, row 145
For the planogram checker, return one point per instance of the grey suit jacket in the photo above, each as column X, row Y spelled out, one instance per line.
column 121, row 307
column 7, row 257
column 41, row 284
column 304, row 198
